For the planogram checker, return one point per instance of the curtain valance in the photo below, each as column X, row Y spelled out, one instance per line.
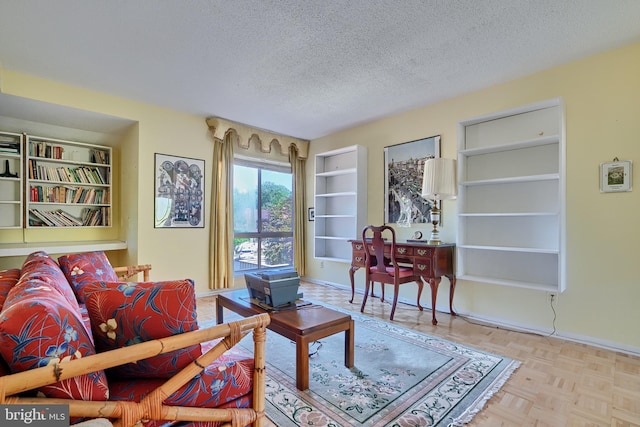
column 219, row 128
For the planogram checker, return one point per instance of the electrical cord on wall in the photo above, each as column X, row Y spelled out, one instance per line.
column 555, row 315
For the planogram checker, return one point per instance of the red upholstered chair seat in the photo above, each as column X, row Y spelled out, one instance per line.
column 403, row 271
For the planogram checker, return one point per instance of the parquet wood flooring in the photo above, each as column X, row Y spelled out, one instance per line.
column 559, row 383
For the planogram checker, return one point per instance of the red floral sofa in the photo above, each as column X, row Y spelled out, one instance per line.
column 72, row 332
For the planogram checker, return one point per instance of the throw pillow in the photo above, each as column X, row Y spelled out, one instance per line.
column 8, row 279
column 38, row 328
column 85, row 268
column 39, row 265
column 126, row 313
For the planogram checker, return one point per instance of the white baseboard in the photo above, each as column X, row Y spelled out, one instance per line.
column 513, row 326
column 582, row 339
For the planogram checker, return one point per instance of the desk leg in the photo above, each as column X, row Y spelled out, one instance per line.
column 452, row 279
column 434, row 283
column 352, row 270
column 302, row 363
column 219, row 315
column 348, row 345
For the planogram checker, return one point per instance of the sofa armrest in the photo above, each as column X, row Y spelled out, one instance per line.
column 129, row 271
column 151, row 407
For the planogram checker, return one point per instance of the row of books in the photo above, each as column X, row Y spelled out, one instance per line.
column 80, row 174
column 67, row 194
column 9, row 147
column 43, row 149
column 99, row 156
column 96, row 217
column 60, row 218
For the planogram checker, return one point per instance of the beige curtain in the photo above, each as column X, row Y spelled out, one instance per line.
column 221, row 237
column 299, row 216
column 227, row 134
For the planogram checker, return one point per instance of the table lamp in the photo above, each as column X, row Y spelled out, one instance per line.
column 438, row 183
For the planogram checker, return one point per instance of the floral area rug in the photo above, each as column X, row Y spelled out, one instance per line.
column 400, row 378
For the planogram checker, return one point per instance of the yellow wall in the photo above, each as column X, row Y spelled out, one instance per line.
column 173, row 253
column 601, row 96
column 603, row 121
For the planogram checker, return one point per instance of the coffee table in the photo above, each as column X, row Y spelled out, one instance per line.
column 303, row 325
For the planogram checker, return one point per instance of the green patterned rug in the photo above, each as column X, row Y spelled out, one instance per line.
column 400, row 378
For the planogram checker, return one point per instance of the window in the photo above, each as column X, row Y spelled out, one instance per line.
column 262, row 216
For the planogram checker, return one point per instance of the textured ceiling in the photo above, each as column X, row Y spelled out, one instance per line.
column 303, row 68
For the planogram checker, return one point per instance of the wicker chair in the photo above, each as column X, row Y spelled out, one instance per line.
column 127, row 414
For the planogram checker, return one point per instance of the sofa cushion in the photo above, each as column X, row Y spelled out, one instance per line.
column 226, row 383
column 37, row 288
column 85, row 268
column 8, row 279
column 39, row 265
column 126, row 313
column 39, row 327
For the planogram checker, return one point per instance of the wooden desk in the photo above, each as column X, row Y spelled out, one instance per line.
column 430, row 262
column 303, row 326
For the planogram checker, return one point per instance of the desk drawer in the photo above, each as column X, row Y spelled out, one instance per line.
column 357, row 259
column 357, row 247
column 423, row 252
column 357, row 254
column 423, row 267
column 423, row 261
column 403, row 251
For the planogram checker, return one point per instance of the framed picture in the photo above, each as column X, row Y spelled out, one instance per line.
column 615, row 176
column 403, row 170
column 179, row 192
column 312, row 214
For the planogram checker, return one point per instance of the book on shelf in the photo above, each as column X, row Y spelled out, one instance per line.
column 45, row 150
column 96, row 217
column 100, row 157
column 38, row 218
column 57, row 218
column 69, row 195
column 8, row 150
column 32, row 169
column 66, row 218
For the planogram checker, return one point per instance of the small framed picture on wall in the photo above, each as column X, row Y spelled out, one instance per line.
column 615, row 176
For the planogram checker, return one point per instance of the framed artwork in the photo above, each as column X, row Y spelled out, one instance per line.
column 179, row 192
column 615, row 176
column 403, row 170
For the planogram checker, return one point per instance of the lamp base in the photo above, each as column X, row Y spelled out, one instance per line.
column 434, row 239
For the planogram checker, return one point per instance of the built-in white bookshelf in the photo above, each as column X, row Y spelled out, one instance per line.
column 11, row 176
column 68, row 183
column 511, row 199
column 340, row 201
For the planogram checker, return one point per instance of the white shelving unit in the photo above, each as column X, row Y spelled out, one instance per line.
column 11, row 175
column 511, row 201
column 68, row 183
column 340, row 201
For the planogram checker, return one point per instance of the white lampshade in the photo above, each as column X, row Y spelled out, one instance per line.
column 439, row 180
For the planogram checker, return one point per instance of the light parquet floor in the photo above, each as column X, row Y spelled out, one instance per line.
column 559, row 383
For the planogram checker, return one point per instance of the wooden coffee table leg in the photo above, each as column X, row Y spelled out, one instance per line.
column 348, row 345
column 219, row 315
column 302, row 363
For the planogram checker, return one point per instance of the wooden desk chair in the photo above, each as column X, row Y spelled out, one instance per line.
column 381, row 265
